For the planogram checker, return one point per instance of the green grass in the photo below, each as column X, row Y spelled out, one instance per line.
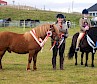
column 14, row 67
column 18, row 14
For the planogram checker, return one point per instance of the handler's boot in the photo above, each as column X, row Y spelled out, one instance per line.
column 54, row 64
column 61, row 63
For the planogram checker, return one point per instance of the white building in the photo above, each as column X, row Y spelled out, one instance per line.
column 93, row 10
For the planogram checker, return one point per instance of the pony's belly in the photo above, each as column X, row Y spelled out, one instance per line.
column 18, row 49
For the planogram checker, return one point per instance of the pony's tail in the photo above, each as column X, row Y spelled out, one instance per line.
column 71, row 52
column 73, row 46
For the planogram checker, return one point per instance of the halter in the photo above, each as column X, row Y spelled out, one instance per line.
column 40, row 41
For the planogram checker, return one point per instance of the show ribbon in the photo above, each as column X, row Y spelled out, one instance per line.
column 53, row 46
column 40, row 42
column 61, row 42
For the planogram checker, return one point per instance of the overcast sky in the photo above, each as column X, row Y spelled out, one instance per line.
column 56, row 5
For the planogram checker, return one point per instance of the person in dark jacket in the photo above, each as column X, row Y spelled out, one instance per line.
column 59, row 43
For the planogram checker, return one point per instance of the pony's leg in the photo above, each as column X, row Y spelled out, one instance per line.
column 92, row 60
column 31, row 54
column 1, row 55
column 75, row 58
column 0, row 63
column 34, row 61
column 82, row 54
column 86, row 64
column 29, row 62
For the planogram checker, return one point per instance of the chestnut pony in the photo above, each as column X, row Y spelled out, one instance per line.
column 25, row 43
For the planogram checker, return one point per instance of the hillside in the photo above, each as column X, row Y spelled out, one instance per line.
column 16, row 14
column 23, row 7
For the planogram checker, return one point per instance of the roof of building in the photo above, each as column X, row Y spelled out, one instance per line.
column 2, row 1
column 93, row 8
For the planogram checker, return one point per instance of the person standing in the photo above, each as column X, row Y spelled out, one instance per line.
column 59, row 43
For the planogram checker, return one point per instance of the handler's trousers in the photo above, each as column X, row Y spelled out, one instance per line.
column 61, row 54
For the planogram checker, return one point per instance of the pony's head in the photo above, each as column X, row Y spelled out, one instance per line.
column 55, row 31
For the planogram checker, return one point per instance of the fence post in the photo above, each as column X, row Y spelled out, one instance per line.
column 24, row 26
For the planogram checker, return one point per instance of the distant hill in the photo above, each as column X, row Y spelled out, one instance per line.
column 26, row 12
column 24, row 7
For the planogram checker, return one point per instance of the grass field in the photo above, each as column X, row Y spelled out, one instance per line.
column 14, row 67
column 42, row 15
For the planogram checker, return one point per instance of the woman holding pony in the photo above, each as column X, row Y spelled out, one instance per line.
column 59, row 43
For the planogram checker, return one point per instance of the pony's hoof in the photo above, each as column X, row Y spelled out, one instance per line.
column 34, row 69
column 92, row 65
column 81, row 63
column 54, row 68
column 0, row 67
column 75, row 63
column 28, row 69
column 86, row 65
column 61, row 69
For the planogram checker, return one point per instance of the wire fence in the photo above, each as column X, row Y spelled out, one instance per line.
column 27, row 24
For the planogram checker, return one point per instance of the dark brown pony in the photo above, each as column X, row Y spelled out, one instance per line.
column 24, row 43
column 84, row 46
